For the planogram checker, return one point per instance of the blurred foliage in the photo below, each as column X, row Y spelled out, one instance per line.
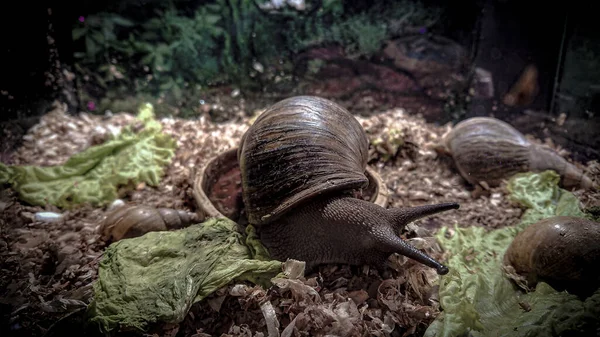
column 172, row 49
column 361, row 31
column 358, row 34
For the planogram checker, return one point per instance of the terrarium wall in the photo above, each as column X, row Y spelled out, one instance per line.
column 543, row 75
column 577, row 96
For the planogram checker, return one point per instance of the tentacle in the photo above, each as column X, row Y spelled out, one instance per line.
column 401, row 217
column 392, row 243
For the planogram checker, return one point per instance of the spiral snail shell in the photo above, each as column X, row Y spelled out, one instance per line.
column 131, row 221
column 489, row 150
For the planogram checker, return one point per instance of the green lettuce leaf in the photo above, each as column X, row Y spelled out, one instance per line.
column 479, row 300
column 157, row 277
column 94, row 175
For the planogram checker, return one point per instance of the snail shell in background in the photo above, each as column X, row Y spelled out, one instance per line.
column 133, row 221
column 490, row 150
column 562, row 251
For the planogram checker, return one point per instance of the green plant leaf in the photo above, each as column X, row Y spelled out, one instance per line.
column 100, row 80
column 211, row 19
column 218, row 7
column 167, row 84
column 108, row 35
column 97, row 36
column 90, row 47
column 121, row 21
column 147, row 60
column 78, row 32
column 177, row 93
column 149, row 35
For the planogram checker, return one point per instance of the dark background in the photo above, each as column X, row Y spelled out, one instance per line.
column 507, row 35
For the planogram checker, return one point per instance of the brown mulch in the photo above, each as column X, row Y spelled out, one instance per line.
column 47, row 268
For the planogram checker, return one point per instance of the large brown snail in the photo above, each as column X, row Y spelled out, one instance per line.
column 563, row 251
column 130, row 221
column 300, row 162
column 489, row 150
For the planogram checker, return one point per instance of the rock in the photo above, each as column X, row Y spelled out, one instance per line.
column 422, row 54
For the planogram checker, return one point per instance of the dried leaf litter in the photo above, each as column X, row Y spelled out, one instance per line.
column 47, row 268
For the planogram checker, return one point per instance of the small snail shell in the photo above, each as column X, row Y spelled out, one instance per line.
column 490, row 150
column 132, row 221
column 563, row 251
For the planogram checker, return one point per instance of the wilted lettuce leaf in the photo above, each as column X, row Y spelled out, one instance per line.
column 479, row 300
column 158, row 276
column 94, row 175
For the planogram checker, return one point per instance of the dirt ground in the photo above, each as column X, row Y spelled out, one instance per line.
column 48, row 268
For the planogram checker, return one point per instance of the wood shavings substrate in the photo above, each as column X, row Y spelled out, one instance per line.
column 48, row 268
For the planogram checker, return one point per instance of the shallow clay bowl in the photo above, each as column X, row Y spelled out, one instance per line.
column 218, row 188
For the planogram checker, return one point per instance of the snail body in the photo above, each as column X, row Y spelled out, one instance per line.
column 132, row 221
column 490, row 150
column 563, row 251
column 300, row 161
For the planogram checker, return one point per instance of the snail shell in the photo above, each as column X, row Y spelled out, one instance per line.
column 563, row 251
column 133, row 221
column 299, row 152
column 490, row 150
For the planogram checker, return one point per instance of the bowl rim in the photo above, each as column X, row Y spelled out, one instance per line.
column 205, row 204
